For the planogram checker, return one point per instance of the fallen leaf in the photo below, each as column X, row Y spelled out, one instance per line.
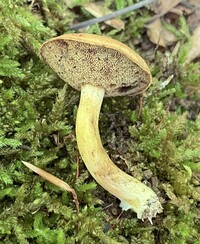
column 194, row 51
column 194, row 17
column 54, row 180
column 98, row 10
column 163, row 7
column 159, row 35
column 195, row 3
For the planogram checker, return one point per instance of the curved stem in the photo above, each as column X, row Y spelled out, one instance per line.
column 132, row 193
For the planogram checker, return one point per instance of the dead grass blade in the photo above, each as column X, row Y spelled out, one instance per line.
column 54, row 180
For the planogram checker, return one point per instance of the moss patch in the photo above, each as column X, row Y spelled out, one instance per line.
column 37, row 124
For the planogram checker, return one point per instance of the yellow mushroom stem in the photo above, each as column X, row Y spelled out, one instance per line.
column 132, row 193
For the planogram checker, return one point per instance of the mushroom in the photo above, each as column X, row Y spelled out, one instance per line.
column 99, row 66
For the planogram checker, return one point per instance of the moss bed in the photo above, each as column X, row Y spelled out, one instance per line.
column 37, row 124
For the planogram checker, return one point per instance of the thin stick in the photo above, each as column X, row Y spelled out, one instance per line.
column 117, row 219
column 140, row 106
column 77, row 167
column 54, row 180
column 111, row 15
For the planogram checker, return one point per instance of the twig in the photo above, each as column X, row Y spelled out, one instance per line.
column 117, row 219
column 54, row 180
column 108, row 206
column 111, row 15
column 140, row 106
column 77, row 167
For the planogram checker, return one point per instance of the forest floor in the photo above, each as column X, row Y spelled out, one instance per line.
column 154, row 137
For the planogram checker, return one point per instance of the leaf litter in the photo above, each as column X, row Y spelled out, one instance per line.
column 168, row 12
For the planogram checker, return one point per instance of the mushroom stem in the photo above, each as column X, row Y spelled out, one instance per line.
column 132, row 193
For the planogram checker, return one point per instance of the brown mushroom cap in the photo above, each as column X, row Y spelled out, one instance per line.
column 87, row 58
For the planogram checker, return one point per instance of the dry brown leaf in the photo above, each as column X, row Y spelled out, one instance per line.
column 162, row 7
column 195, row 48
column 54, row 180
column 194, row 18
column 98, row 11
column 195, row 3
column 159, row 35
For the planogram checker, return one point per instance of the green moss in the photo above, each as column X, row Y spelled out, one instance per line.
column 37, row 121
column 182, row 228
column 182, row 32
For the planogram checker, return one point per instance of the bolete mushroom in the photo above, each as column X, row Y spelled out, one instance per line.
column 99, row 66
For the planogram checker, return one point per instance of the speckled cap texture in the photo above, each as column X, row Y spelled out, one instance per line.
column 102, row 61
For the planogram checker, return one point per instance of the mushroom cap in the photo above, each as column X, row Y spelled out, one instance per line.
column 98, row 60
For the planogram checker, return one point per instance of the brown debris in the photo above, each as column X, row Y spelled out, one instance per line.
column 98, row 10
column 159, row 35
column 163, row 7
column 54, row 180
column 169, row 11
column 194, row 51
